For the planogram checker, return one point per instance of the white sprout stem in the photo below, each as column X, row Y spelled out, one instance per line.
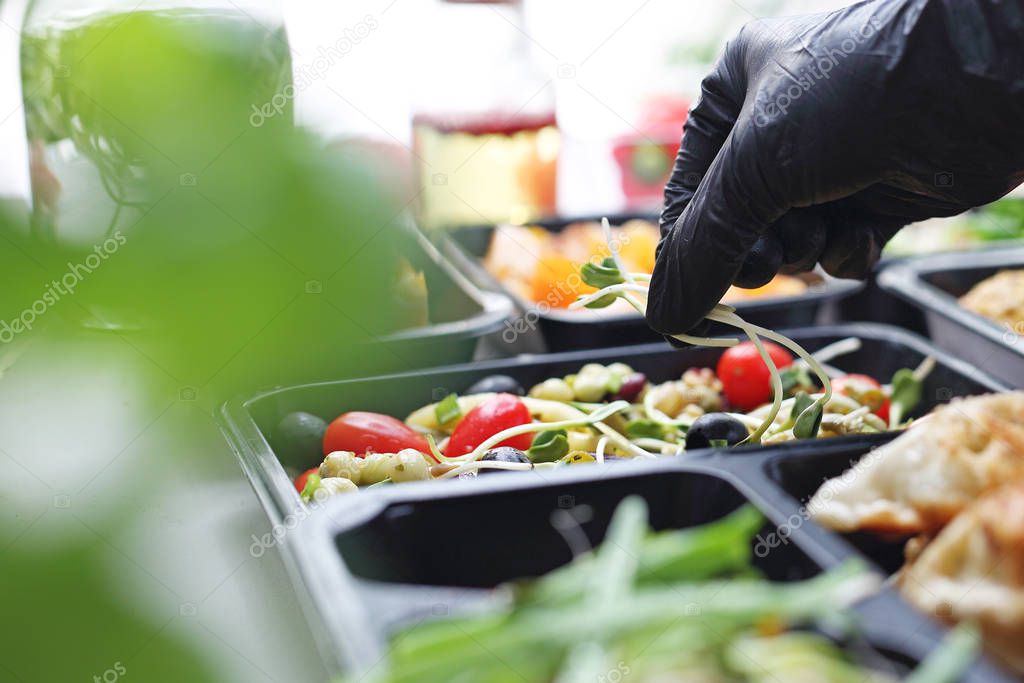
column 831, row 370
column 624, row 289
column 751, row 331
column 622, row 442
column 835, row 349
column 599, row 452
column 811, row 361
column 924, row 369
column 720, row 342
column 839, row 400
column 594, row 418
column 853, row 415
column 666, row 447
column 606, row 228
column 620, row 288
column 749, row 421
column 485, row 465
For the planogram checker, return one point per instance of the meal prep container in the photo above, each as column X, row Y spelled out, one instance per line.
column 564, row 330
column 368, row 563
column 876, row 305
column 460, row 314
column 934, row 283
column 250, row 426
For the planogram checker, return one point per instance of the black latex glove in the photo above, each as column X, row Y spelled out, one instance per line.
column 816, row 138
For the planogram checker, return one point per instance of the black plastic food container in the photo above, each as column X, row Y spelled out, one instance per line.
column 564, row 330
column 368, row 563
column 934, row 284
column 460, row 314
column 371, row 563
column 251, row 426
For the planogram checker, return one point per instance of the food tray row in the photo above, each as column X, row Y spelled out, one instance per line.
column 467, row 304
column 564, row 330
column 370, row 562
column 370, row 565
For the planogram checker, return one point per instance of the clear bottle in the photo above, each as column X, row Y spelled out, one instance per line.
column 484, row 130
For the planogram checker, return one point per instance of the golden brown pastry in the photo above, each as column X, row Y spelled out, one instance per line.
column 974, row 570
column 921, row 480
column 999, row 298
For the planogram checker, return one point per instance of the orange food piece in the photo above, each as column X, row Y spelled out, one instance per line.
column 780, row 285
column 557, row 281
column 638, row 241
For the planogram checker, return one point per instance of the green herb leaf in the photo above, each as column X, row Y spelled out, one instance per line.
column 649, row 429
column 801, row 402
column 447, row 410
column 795, row 377
column 604, row 302
column 809, row 421
column 600, row 276
column 906, row 389
column 548, row 446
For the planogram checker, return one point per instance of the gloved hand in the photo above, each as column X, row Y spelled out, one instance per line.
column 816, row 138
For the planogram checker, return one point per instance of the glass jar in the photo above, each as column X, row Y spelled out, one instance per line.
column 484, row 131
column 120, row 95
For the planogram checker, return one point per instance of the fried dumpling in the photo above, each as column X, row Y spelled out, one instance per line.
column 974, row 570
column 921, row 480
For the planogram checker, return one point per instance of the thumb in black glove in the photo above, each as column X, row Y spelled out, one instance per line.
column 817, row 138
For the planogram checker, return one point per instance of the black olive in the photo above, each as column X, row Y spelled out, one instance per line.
column 502, row 454
column 715, row 427
column 762, row 263
column 505, row 454
column 497, row 384
column 300, row 439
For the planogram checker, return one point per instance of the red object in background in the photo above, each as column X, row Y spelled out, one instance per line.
column 494, row 415
column 645, row 158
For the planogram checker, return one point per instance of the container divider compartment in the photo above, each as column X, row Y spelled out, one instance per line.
column 934, row 283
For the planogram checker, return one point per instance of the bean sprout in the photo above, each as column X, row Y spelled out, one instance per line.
column 720, row 313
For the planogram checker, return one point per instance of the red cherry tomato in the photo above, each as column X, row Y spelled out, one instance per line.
column 745, row 379
column 300, row 481
column 866, row 390
column 490, row 417
column 364, row 433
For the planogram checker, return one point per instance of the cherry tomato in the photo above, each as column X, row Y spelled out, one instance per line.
column 865, row 390
column 300, row 481
column 364, row 433
column 490, row 417
column 745, row 379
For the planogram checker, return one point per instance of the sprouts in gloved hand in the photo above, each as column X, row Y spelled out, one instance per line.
column 613, row 281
